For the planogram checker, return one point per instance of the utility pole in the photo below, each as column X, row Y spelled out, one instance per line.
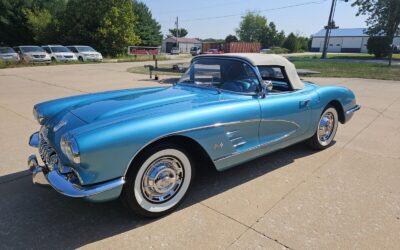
column 331, row 25
column 177, row 31
column 177, row 27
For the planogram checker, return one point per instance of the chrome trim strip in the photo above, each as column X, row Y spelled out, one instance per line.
column 270, row 120
column 354, row 109
column 231, row 133
column 185, row 131
column 34, row 140
column 65, row 187
column 236, row 139
column 256, row 147
column 239, row 144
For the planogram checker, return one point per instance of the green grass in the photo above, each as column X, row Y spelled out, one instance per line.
column 351, row 70
column 355, row 56
column 327, row 69
column 137, row 58
column 145, row 71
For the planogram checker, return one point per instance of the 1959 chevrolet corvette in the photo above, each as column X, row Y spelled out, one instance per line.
column 142, row 144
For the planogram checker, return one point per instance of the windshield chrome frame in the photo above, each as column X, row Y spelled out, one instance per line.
column 254, row 68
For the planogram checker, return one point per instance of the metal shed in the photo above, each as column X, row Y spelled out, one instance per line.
column 353, row 40
column 183, row 43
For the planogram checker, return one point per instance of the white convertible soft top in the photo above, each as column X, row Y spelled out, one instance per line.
column 268, row 60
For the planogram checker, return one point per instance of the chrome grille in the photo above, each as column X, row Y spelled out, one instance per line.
column 47, row 153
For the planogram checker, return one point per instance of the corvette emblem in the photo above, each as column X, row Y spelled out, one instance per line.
column 218, row 146
column 59, row 125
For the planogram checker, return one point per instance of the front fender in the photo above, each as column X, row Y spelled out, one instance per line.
column 107, row 149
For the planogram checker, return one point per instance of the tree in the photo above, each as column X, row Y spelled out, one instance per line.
column 379, row 46
column 276, row 38
column 231, row 38
column 303, row 43
column 108, row 25
column 291, row 43
column 252, row 27
column 147, row 28
column 383, row 17
column 30, row 21
column 212, row 40
column 255, row 28
column 182, row 32
column 13, row 24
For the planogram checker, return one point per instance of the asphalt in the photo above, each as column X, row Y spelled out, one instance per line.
column 345, row 197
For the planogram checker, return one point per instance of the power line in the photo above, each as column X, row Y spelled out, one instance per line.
column 264, row 10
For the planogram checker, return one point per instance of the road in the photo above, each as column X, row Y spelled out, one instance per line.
column 347, row 196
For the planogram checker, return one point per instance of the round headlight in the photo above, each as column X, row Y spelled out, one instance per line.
column 70, row 148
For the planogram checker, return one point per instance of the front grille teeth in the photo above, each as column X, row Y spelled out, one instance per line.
column 47, row 153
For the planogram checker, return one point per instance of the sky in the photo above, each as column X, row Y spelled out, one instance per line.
column 219, row 18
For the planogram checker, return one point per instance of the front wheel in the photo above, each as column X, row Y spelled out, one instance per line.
column 326, row 130
column 159, row 181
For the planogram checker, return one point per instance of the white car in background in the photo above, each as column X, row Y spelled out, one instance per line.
column 85, row 53
column 35, row 54
column 7, row 54
column 59, row 53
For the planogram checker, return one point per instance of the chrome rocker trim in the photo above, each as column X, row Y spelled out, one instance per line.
column 352, row 110
column 43, row 176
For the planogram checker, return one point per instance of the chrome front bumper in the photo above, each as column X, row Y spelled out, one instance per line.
column 61, row 183
column 349, row 113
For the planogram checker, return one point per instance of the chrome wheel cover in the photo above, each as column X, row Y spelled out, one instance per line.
column 162, row 179
column 326, row 127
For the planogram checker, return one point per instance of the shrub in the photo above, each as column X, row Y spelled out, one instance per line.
column 379, row 46
column 2, row 64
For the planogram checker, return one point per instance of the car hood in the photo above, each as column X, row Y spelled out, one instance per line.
column 151, row 103
column 63, row 53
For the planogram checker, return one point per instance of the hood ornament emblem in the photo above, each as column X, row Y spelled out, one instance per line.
column 59, row 125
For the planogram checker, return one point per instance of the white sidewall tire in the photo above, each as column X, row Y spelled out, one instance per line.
column 332, row 136
column 161, row 207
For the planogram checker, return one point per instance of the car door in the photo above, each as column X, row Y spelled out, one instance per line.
column 285, row 113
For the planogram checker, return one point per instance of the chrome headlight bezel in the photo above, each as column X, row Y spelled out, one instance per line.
column 70, row 148
column 38, row 116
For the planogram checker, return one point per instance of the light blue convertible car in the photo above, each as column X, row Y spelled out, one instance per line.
column 142, row 145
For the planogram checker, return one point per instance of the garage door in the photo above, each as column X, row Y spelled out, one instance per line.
column 335, row 44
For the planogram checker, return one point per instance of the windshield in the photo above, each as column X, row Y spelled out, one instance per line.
column 85, row 49
column 224, row 74
column 31, row 49
column 5, row 50
column 59, row 49
column 194, row 48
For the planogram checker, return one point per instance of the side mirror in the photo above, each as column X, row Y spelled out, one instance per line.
column 267, row 86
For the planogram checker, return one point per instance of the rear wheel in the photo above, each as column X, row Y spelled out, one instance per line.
column 326, row 130
column 159, row 181
column 80, row 59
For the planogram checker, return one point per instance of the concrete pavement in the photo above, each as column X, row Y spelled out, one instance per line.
column 347, row 196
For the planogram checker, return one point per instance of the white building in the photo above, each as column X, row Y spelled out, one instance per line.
column 184, row 44
column 344, row 40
